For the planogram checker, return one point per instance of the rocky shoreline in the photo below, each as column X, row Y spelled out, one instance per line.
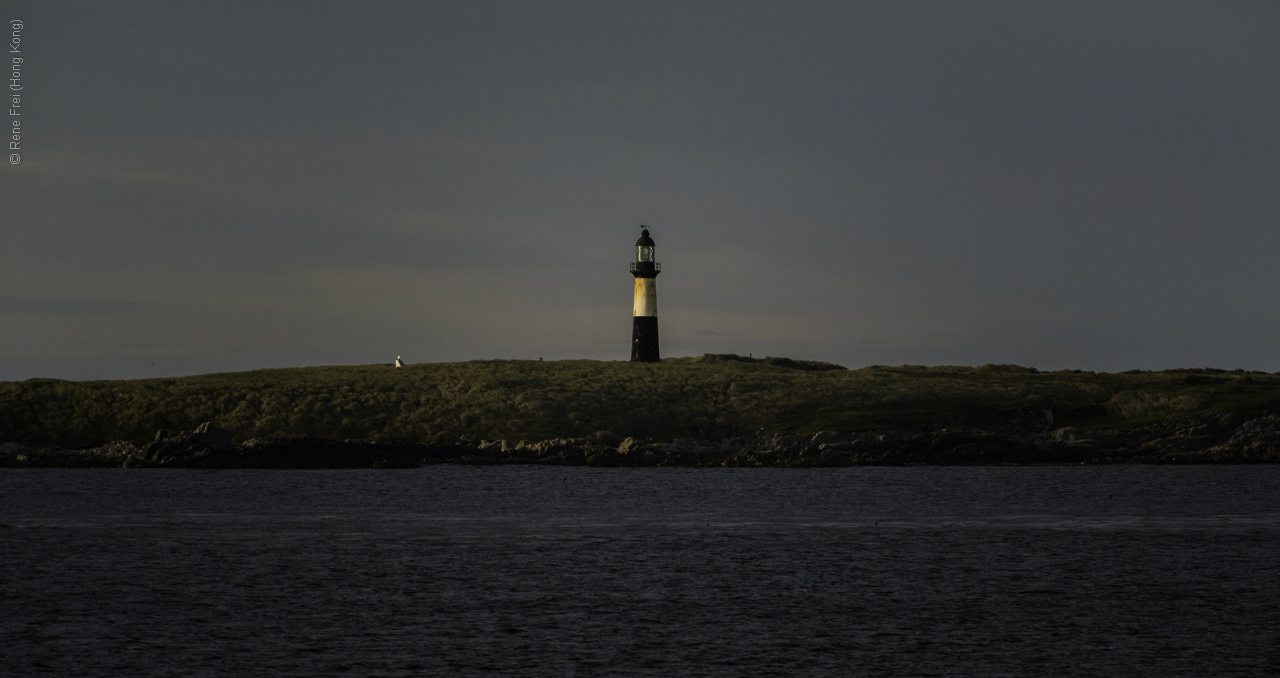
column 1215, row 438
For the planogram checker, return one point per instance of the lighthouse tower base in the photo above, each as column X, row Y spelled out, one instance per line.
column 644, row 339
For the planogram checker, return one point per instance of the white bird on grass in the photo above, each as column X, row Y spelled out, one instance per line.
column 398, row 363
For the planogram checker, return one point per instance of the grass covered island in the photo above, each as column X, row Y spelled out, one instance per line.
column 713, row 410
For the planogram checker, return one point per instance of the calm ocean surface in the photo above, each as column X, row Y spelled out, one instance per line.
column 542, row 571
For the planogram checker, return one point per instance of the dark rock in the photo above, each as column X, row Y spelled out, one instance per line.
column 630, row 445
column 1026, row 439
column 13, row 454
column 205, row 441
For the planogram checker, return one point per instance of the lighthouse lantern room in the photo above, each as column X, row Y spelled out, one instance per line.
column 644, row 321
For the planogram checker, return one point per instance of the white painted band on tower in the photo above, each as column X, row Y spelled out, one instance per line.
column 646, row 302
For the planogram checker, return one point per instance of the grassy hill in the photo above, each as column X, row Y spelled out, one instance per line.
column 535, row 400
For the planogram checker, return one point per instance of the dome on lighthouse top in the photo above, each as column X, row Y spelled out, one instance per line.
column 645, row 240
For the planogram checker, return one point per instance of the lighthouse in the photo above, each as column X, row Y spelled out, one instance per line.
column 644, row 312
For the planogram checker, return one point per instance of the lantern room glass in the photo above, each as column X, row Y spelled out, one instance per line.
column 644, row 253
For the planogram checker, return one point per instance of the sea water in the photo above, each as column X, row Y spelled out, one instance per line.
column 551, row 571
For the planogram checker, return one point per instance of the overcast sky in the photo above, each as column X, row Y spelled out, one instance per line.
column 218, row 186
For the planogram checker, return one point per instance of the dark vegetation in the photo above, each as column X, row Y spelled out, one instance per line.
column 714, row 396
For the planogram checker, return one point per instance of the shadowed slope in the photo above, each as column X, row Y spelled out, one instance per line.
column 712, row 396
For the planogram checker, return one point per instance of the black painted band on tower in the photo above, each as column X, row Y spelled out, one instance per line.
column 644, row 339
